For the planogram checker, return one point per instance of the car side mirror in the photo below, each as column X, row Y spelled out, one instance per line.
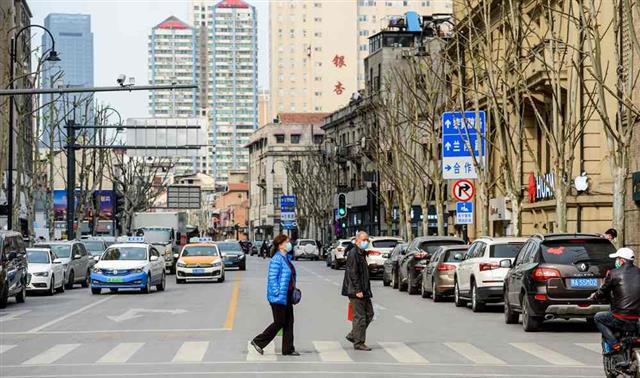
column 458, row 256
column 57, row 261
column 153, row 258
column 97, row 258
column 506, row 263
column 77, row 256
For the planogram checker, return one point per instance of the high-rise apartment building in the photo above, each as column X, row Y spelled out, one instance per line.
column 317, row 48
column 74, row 44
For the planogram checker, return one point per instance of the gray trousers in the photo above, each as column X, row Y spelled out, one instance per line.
column 362, row 317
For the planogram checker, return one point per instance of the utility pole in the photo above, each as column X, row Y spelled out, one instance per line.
column 71, row 178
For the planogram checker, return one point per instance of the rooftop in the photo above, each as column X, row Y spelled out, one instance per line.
column 232, row 4
column 302, row 118
column 172, row 22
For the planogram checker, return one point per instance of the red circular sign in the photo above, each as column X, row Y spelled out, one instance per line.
column 463, row 190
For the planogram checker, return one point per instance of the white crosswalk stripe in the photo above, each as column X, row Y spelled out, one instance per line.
column 191, row 351
column 546, row 354
column 401, row 352
column 331, row 351
column 120, row 353
column 52, row 354
column 269, row 353
column 475, row 354
column 4, row 348
column 594, row 347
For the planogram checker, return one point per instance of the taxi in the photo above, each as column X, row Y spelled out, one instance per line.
column 131, row 265
column 199, row 260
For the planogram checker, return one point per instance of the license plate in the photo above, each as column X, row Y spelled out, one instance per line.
column 114, row 279
column 583, row 283
column 198, row 271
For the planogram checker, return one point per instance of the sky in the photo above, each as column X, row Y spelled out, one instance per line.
column 120, row 35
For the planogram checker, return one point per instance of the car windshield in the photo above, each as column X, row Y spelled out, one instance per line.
column 230, row 247
column 345, row 243
column 124, row 253
column 157, row 235
column 61, row 250
column 94, row 247
column 431, row 246
column 386, row 243
column 577, row 250
column 37, row 257
column 505, row 250
column 451, row 254
column 200, row 251
column 302, row 243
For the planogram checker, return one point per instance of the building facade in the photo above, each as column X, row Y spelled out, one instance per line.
column 232, row 208
column 74, row 44
column 315, row 65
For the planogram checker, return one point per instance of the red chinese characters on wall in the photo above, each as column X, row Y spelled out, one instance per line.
column 338, row 61
column 338, row 88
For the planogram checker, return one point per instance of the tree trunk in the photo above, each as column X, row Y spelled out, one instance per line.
column 619, row 195
column 516, row 215
column 561, row 206
column 440, row 208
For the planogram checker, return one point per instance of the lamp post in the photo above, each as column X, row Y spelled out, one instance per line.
column 52, row 56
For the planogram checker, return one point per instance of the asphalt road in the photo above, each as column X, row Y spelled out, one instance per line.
column 196, row 330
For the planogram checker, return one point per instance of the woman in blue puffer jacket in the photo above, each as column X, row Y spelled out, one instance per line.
column 280, row 285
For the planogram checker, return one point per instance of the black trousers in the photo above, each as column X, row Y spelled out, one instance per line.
column 282, row 320
column 362, row 317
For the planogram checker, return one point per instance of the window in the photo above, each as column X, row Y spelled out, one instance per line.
column 505, row 250
column 295, row 166
column 317, row 139
column 277, row 193
column 279, row 138
column 295, row 138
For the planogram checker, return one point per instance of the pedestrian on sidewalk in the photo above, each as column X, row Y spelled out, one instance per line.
column 357, row 287
column 281, row 284
column 264, row 249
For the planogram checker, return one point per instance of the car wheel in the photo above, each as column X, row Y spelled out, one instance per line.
column 61, row 288
column 147, row 288
column 385, row 281
column 4, row 296
column 70, row 281
column 51, row 284
column 87, row 279
column 423, row 292
column 434, row 292
column 96, row 290
column 113, row 290
column 459, row 302
column 591, row 322
column 243, row 266
column 163, row 283
column 510, row 316
column 22, row 295
column 530, row 322
column 476, row 304
column 221, row 279
column 394, row 279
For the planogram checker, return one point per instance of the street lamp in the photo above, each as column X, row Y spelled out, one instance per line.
column 52, row 56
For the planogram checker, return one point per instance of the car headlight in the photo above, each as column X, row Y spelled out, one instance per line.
column 138, row 270
column 180, row 264
column 97, row 270
column 176, row 255
column 217, row 264
column 241, row 257
column 41, row 274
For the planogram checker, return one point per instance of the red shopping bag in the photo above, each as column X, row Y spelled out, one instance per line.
column 350, row 312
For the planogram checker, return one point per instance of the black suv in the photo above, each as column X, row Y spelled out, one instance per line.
column 13, row 267
column 553, row 276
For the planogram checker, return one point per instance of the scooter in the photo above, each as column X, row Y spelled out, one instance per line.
column 626, row 362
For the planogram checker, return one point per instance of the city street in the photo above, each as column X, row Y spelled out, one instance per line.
column 204, row 329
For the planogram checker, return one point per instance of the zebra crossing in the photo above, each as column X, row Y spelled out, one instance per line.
column 318, row 351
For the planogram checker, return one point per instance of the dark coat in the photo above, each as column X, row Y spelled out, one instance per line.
column 621, row 287
column 356, row 274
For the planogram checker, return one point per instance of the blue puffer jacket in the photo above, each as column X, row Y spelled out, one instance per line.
column 278, row 280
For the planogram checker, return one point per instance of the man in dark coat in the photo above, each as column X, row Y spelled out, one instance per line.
column 357, row 287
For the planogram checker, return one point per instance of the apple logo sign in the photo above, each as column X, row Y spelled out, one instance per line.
column 581, row 182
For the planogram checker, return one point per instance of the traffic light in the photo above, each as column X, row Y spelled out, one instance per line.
column 342, row 205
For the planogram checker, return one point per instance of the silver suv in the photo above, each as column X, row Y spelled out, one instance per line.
column 76, row 261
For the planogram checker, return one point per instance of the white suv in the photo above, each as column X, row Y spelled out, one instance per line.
column 306, row 249
column 338, row 257
column 479, row 278
column 380, row 248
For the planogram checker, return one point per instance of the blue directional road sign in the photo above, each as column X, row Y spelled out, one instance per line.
column 287, row 203
column 463, row 136
column 464, row 212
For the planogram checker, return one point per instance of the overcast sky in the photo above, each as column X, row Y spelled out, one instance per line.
column 120, row 32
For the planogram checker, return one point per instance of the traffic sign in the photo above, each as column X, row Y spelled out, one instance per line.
column 463, row 137
column 289, row 225
column 287, row 203
column 464, row 212
column 463, row 190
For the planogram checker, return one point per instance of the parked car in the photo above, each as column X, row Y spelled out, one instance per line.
column 14, row 277
column 95, row 247
column 438, row 276
column 75, row 260
column 416, row 259
column 46, row 273
column 306, row 249
column 232, row 254
column 380, row 248
column 338, row 258
column 479, row 278
column 553, row 277
column 391, row 265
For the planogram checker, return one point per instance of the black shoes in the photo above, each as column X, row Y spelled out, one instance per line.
column 258, row 349
column 350, row 339
column 294, row 353
column 363, row 347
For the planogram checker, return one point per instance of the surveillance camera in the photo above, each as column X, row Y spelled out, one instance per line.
column 132, row 81
column 121, row 79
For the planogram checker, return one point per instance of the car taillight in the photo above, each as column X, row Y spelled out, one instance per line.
column 540, row 297
column 420, row 255
column 373, row 252
column 445, row 267
column 418, row 268
column 489, row 266
column 543, row 274
column 340, row 249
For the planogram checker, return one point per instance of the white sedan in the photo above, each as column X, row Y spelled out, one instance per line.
column 46, row 271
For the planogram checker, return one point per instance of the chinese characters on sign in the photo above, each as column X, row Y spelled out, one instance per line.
column 463, row 138
column 339, row 88
column 464, row 212
column 288, row 212
column 338, row 61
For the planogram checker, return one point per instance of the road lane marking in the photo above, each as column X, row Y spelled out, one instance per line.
column 233, row 303
column 546, row 354
column 120, row 353
column 402, row 352
column 76, row 312
column 331, row 351
column 594, row 347
column 13, row 315
column 191, row 351
column 475, row 354
column 52, row 354
column 119, row 331
column 377, row 307
column 4, row 348
column 403, row 319
column 269, row 352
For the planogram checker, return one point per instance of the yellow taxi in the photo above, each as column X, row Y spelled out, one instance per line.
column 199, row 260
